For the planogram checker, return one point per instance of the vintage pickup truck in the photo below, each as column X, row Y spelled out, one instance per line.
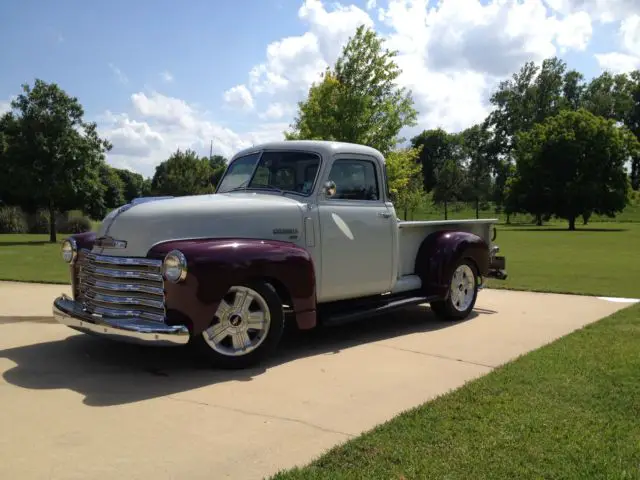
column 297, row 231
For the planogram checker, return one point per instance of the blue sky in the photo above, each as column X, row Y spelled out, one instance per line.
column 206, row 48
column 154, row 73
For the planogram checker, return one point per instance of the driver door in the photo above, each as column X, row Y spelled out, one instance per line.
column 356, row 232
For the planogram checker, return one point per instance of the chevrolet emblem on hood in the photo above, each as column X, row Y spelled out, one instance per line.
column 110, row 242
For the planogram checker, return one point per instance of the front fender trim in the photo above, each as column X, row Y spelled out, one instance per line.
column 217, row 264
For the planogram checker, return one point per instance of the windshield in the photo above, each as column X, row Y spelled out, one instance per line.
column 286, row 171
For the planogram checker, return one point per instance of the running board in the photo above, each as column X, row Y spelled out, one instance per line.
column 358, row 314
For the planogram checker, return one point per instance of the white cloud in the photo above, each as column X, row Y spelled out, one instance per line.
column 239, row 97
column 574, row 31
column 452, row 54
column 630, row 32
column 276, row 111
column 629, row 40
column 167, row 76
column 605, row 11
column 159, row 124
column 120, row 76
column 5, row 107
column 617, row 62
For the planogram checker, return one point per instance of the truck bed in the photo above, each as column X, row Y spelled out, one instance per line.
column 411, row 234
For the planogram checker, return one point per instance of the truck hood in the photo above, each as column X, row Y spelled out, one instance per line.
column 226, row 215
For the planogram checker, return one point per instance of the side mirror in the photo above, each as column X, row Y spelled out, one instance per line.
column 329, row 188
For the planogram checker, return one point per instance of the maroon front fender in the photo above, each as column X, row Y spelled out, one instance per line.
column 439, row 252
column 214, row 265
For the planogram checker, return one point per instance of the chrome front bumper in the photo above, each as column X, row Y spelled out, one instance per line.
column 69, row 313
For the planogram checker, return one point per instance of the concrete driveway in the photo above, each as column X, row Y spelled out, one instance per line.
column 77, row 407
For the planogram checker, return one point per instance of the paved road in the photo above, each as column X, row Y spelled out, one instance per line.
column 77, row 407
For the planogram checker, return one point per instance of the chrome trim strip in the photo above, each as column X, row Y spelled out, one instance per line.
column 126, row 313
column 127, row 261
column 123, row 274
column 121, row 287
column 118, row 300
column 136, row 330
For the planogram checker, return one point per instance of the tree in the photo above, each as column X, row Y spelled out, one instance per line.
column 632, row 121
column 404, row 175
column 183, row 173
column 52, row 157
column 450, row 183
column 358, row 100
column 529, row 97
column 218, row 165
column 609, row 96
column 435, row 147
column 476, row 151
column 134, row 184
column 575, row 160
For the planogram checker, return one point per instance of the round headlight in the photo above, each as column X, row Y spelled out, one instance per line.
column 69, row 250
column 175, row 266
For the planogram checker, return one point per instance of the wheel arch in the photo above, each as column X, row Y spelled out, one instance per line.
column 438, row 253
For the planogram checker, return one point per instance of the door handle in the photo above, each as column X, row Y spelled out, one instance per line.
column 384, row 214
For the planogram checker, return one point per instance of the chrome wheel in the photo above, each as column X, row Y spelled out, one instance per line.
column 241, row 323
column 462, row 287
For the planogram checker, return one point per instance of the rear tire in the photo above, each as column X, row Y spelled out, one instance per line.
column 462, row 294
column 246, row 329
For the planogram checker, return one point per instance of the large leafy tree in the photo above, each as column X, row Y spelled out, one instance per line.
column 477, row 155
column 183, row 173
column 358, row 99
column 134, row 184
column 52, row 156
column 573, row 163
column 435, row 147
column 532, row 95
column 218, row 165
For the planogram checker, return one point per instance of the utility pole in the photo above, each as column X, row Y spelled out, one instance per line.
column 211, row 150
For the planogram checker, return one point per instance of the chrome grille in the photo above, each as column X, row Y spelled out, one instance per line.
column 121, row 287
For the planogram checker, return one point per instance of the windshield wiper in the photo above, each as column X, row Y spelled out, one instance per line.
column 260, row 186
column 265, row 186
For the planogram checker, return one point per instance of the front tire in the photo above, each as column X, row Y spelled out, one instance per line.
column 247, row 327
column 462, row 294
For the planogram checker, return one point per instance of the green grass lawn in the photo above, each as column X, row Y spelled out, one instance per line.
column 31, row 258
column 570, row 410
column 599, row 259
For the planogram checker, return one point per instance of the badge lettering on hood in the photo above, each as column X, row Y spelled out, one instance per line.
column 292, row 232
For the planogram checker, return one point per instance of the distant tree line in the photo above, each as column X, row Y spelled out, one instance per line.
column 53, row 161
column 553, row 145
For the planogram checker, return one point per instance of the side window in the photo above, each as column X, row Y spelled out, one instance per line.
column 355, row 180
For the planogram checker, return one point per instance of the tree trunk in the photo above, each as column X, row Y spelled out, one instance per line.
column 508, row 219
column 635, row 173
column 538, row 219
column 406, row 213
column 572, row 223
column 446, row 213
column 477, row 208
column 52, row 223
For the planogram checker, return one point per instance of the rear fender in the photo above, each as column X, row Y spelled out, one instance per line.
column 439, row 252
column 214, row 265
